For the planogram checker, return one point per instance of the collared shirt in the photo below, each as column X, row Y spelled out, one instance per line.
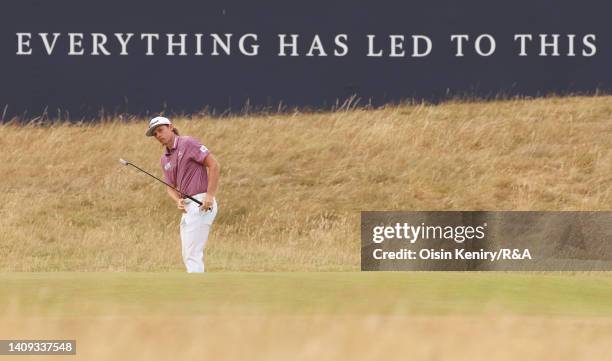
column 183, row 165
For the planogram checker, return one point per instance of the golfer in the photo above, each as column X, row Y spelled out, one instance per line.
column 192, row 169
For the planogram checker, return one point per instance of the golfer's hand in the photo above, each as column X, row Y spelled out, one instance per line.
column 180, row 204
column 207, row 204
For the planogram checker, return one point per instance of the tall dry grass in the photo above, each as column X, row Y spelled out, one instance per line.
column 324, row 338
column 292, row 186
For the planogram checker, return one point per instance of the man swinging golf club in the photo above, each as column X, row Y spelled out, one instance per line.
column 192, row 170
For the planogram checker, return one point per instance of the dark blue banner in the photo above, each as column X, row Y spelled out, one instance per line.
column 78, row 59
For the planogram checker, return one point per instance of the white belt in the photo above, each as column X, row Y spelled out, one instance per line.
column 193, row 212
column 199, row 196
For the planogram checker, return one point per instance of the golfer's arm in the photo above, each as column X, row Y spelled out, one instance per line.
column 173, row 194
column 214, row 170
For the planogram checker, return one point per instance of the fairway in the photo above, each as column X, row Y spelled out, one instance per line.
column 428, row 293
column 330, row 316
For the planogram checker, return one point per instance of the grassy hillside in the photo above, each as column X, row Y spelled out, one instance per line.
column 292, row 186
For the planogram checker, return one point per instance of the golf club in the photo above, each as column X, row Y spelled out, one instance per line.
column 125, row 162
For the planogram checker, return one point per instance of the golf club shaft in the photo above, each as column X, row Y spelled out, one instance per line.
column 181, row 193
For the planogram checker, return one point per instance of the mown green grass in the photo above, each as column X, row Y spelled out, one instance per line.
column 380, row 293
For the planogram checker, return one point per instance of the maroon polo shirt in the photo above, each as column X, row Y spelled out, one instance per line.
column 183, row 165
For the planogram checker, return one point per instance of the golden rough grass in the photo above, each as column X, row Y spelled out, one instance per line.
column 292, row 185
column 324, row 338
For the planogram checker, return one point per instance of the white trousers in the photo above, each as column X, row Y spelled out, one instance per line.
column 195, row 227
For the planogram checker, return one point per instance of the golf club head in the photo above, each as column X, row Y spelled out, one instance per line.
column 123, row 161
